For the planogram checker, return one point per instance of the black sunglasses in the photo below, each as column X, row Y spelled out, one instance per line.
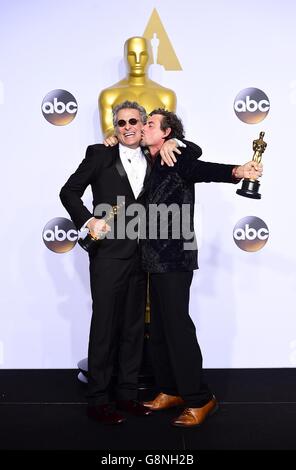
column 132, row 122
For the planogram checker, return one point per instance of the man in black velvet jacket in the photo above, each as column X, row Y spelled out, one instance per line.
column 170, row 260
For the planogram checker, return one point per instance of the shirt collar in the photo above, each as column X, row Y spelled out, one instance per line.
column 128, row 152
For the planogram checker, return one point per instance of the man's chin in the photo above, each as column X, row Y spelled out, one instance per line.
column 131, row 143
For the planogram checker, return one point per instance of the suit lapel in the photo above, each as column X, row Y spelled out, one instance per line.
column 120, row 168
column 122, row 173
column 148, row 171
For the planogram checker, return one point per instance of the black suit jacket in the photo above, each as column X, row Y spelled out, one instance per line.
column 175, row 185
column 103, row 170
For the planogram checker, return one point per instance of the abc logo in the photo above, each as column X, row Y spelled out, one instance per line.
column 251, row 105
column 60, row 235
column 250, row 233
column 59, row 107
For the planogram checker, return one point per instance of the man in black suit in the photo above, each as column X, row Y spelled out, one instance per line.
column 170, row 258
column 118, row 285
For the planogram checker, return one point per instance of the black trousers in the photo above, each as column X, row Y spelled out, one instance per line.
column 176, row 355
column 118, row 288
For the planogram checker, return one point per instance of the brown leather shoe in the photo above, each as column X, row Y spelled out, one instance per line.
column 163, row 401
column 195, row 416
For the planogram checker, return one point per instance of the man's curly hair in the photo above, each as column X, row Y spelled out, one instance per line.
column 170, row 120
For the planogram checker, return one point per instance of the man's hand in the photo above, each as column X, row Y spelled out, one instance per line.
column 167, row 152
column 98, row 227
column 110, row 141
column 251, row 170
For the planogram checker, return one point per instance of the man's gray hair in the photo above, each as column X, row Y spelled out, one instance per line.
column 129, row 105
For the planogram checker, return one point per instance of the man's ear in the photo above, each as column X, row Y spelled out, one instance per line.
column 167, row 132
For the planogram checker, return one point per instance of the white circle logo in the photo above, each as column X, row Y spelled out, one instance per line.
column 251, row 105
column 60, row 235
column 250, row 234
column 59, row 107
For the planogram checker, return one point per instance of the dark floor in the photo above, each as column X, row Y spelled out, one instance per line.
column 45, row 410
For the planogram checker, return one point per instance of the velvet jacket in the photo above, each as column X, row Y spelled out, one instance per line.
column 163, row 252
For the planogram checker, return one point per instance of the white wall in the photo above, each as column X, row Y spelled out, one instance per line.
column 243, row 303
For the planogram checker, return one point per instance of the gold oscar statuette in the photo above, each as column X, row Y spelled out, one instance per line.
column 250, row 187
column 89, row 243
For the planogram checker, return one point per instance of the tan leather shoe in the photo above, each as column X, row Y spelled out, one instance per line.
column 163, row 401
column 195, row 416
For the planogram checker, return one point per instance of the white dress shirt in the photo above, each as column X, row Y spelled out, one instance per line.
column 135, row 165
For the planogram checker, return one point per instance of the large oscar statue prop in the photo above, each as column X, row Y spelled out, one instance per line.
column 250, row 188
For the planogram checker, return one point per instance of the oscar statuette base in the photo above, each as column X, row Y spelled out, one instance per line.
column 250, row 189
